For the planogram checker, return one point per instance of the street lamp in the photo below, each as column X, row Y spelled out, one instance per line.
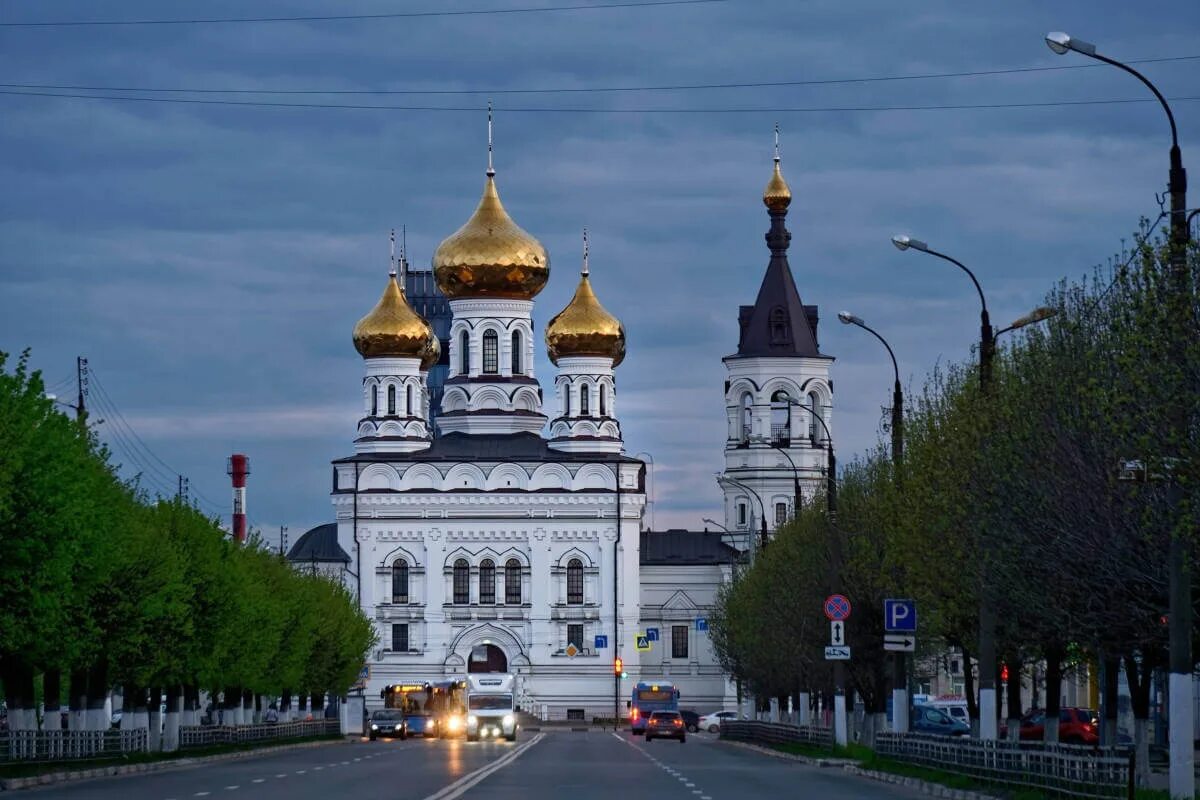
column 761, row 506
column 1183, row 779
column 653, row 484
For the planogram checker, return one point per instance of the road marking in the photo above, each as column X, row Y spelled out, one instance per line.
column 358, row 759
column 460, row 786
column 281, row 775
column 200, row 794
column 301, row 771
column 231, row 788
column 316, row 768
column 258, row 780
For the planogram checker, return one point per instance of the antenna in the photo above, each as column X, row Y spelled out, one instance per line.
column 776, row 142
column 403, row 252
column 491, row 170
column 392, row 255
column 585, row 252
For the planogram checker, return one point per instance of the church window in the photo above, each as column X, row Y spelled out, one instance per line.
column 374, row 401
column 566, row 401
column 814, row 434
column 491, row 353
column 679, row 641
column 517, row 352
column 781, row 418
column 747, row 415
column 603, row 400
column 400, row 637
column 408, row 398
column 780, row 330
column 487, row 582
column 575, row 635
column 780, row 513
column 392, row 399
column 462, row 582
column 741, row 514
column 400, row 581
column 512, row 582
column 464, row 353
column 575, row 582
column 583, row 400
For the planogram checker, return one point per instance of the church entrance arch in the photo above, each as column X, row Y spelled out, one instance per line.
column 487, row 658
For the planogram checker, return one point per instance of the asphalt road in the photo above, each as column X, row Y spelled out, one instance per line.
column 557, row 764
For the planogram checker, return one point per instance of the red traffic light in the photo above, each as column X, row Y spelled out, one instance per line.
column 1004, row 672
column 618, row 666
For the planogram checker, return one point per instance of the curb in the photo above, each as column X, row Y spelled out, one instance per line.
column 852, row 768
column 185, row 762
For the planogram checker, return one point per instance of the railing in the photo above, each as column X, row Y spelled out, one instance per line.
column 1057, row 769
column 207, row 735
column 776, row 733
column 781, row 434
column 62, row 745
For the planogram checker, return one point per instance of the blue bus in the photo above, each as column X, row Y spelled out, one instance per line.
column 648, row 698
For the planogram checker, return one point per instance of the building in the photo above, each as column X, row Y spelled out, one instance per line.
column 427, row 300
column 478, row 544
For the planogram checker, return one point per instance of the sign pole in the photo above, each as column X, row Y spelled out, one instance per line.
column 837, row 609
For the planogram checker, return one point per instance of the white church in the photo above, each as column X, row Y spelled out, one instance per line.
column 485, row 545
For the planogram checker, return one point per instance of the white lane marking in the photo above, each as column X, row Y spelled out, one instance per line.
column 460, row 786
column 258, row 780
column 316, row 768
column 705, row 797
column 358, row 759
column 281, row 775
column 301, row 771
column 689, row 784
column 231, row 788
column 344, row 763
column 200, row 794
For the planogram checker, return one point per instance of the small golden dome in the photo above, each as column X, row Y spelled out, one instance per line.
column 584, row 328
column 777, row 196
column 491, row 256
column 392, row 329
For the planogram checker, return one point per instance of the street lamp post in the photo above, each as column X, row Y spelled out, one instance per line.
column 900, row 662
column 761, row 506
column 1182, row 775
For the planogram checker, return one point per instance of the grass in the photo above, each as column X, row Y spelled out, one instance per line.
column 26, row 769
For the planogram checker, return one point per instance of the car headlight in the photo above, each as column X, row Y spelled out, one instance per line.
column 401, row 725
column 472, row 720
column 508, row 720
column 374, row 727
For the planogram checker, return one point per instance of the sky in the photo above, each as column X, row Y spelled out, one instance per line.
column 211, row 260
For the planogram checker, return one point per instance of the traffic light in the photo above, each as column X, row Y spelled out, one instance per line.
column 1004, row 672
column 618, row 666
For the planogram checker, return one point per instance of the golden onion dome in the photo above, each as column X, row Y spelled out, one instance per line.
column 777, row 196
column 585, row 328
column 490, row 255
column 394, row 330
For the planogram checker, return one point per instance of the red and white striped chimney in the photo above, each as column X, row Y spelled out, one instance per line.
column 238, row 467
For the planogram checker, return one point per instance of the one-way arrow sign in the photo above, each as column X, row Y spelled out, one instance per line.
column 837, row 630
column 899, row 643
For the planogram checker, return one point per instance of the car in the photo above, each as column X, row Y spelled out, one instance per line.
column 421, row 723
column 712, row 722
column 691, row 720
column 666, row 725
column 387, row 722
column 1075, row 726
column 927, row 719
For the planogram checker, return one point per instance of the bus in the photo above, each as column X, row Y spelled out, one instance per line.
column 648, row 698
column 429, row 708
column 491, row 706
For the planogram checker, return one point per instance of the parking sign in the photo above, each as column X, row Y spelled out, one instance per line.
column 900, row 615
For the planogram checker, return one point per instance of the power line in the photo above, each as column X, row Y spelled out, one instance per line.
column 593, row 110
column 596, row 89
column 359, row 17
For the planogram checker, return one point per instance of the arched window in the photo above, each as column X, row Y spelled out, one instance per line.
column 780, row 513
column 583, row 400
column 462, row 582
column 780, row 330
column 491, row 353
column 400, row 581
column 603, row 400
column 392, row 399
column 408, row 397
column 566, row 400
column 517, row 351
column 487, row 582
column 374, row 401
column 814, row 408
column 781, row 418
column 575, row 582
column 747, row 415
column 464, row 353
column 512, row 582
column 741, row 514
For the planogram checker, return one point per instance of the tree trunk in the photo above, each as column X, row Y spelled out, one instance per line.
column 170, row 737
column 1139, row 698
column 232, row 706
column 155, row 719
column 248, row 707
column 804, row 709
column 78, row 699
column 1014, row 699
column 1112, row 668
column 98, row 715
column 318, row 704
column 285, row 706
column 13, row 674
column 52, row 700
column 1053, row 692
column 969, row 688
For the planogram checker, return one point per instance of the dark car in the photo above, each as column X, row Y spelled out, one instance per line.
column 691, row 720
column 927, row 719
column 1075, row 726
column 387, row 722
column 666, row 725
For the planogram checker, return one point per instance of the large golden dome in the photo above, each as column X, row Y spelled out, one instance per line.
column 777, row 196
column 585, row 328
column 392, row 329
column 491, row 256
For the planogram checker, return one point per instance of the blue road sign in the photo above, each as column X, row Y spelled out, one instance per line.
column 652, row 634
column 900, row 615
column 601, row 642
column 701, row 624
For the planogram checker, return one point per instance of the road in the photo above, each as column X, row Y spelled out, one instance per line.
column 555, row 764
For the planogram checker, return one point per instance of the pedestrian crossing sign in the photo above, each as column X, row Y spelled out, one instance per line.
column 642, row 641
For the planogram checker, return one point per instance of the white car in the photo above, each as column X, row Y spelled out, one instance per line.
column 712, row 722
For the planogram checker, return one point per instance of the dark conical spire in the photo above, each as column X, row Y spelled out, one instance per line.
column 778, row 324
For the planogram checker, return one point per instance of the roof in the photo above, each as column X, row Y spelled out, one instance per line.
column 319, row 545
column 778, row 324
column 679, row 547
column 491, row 447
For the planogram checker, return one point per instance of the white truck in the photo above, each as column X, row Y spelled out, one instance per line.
column 491, row 706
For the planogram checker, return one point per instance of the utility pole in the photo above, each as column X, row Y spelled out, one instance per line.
column 182, row 493
column 81, row 383
column 282, row 539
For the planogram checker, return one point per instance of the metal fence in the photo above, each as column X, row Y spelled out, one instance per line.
column 207, row 735
column 66, row 745
column 776, row 733
column 1057, row 769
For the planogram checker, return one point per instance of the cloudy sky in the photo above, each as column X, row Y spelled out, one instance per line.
column 211, row 260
